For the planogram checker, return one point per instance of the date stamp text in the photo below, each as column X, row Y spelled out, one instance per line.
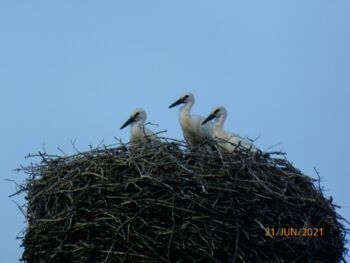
column 294, row 232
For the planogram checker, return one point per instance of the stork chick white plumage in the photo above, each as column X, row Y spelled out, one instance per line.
column 226, row 140
column 194, row 132
column 138, row 132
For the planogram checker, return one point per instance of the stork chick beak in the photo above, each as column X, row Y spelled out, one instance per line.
column 179, row 101
column 209, row 118
column 128, row 122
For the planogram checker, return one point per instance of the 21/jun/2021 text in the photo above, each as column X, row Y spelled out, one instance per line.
column 294, row 232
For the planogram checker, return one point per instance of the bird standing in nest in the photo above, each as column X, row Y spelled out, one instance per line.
column 226, row 140
column 138, row 132
column 194, row 133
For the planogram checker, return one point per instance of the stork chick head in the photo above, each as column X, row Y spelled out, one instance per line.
column 216, row 113
column 137, row 115
column 184, row 99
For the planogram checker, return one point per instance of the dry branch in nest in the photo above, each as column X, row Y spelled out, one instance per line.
column 166, row 203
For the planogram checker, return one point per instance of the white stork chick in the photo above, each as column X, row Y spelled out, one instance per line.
column 226, row 140
column 194, row 132
column 138, row 132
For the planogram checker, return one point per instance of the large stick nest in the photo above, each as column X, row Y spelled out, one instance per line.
column 166, row 203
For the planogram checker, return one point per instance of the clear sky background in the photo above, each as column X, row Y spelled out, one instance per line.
column 75, row 70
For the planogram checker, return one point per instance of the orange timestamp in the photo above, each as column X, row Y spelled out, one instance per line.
column 294, row 232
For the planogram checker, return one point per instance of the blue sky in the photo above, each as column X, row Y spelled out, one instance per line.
column 75, row 70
